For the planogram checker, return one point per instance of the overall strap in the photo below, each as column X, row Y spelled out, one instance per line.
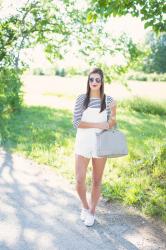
column 106, row 103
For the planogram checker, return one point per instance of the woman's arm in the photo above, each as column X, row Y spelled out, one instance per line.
column 78, row 111
column 101, row 125
column 112, row 119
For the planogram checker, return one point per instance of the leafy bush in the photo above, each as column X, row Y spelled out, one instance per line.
column 141, row 76
column 10, row 91
column 155, row 61
column 138, row 76
column 60, row 72
column 38, row 71
column 72, row 71
column 10, row 96
column 48, row 71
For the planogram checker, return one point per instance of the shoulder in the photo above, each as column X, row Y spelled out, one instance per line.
column 111, row 100
column 80, row 99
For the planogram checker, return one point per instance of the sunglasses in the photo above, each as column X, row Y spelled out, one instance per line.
column 97, row 80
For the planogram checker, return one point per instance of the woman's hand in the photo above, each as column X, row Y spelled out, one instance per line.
column 104, row 125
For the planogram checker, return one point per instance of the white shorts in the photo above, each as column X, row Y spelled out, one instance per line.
column 85, row 143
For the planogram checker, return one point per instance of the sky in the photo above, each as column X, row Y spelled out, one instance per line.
column 10, row 7
column 133, row 26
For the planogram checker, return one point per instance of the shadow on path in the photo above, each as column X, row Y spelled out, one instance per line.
column 40, row 210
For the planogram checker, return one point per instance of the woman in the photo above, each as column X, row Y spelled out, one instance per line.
column 93, row 112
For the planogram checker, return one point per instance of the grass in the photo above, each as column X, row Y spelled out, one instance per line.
column 43, row 134
column 139, row 179
column 144, row 105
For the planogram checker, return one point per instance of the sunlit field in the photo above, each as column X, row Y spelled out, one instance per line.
column 55, row 91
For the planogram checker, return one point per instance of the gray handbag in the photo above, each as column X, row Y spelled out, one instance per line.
column 111, row 143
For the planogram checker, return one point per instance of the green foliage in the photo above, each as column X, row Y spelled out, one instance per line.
column 60, row 72
column 38, row 72
column 141, row 76
column 141, row 183
column 10, row 96
column 69, row 71
column 44, row 71
column 151, row 12
column 112, row 72
column 36, row 22
column 123, row 45
column 10, row 91
column 155, row 61
column 140, row 179
column 56, row 28
column 145, row 106
column 47, row 142
column 73, row 71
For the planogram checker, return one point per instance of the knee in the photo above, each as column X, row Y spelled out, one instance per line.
column 80, row 181
column 96, row 183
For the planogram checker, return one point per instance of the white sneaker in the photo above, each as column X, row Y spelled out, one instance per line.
column 84, row 213
column 90, row 219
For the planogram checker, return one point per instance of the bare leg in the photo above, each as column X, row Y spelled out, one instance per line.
column 81, row 164
column 98, row 168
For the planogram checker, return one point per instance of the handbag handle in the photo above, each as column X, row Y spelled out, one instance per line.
column 113, row 129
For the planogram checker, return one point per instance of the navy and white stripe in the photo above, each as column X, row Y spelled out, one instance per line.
column 94, row 103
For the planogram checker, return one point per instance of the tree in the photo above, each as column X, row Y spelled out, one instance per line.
column 36, row 22
column 152, row 12
column 56, row 25
column 156, row 61
column 39, row 22
column 100, row 50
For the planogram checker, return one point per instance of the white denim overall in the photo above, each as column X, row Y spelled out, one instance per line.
column 85, row 143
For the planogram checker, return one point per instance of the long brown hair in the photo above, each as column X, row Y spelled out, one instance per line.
column 102, row 95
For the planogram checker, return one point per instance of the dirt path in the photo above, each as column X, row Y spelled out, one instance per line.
column 39, row 210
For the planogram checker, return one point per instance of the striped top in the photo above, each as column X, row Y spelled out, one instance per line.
column 94, row 102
